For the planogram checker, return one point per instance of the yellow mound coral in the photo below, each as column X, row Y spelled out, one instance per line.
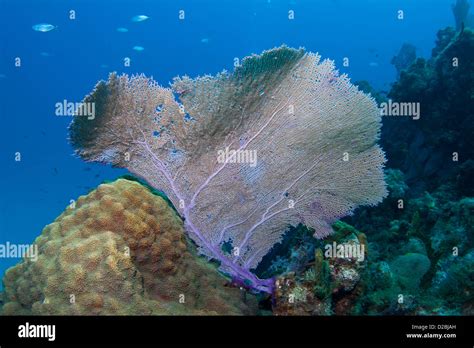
column 120, row 250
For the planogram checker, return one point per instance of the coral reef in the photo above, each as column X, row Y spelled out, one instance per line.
column 122, row 248
column 410, row 268
column 405, row 57
column 419, row 260
column 119, row 250
column 292, row 254
column 454, row 282
column 431, row 150
column 331, row 285
column 421, row 250
column 429, row 211
column 315, row 135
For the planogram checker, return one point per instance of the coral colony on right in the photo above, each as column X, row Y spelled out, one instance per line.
column 278, row 188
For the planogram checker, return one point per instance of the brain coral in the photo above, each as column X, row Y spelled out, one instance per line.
column 119, row 250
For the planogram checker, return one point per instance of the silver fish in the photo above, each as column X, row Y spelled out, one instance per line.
column 140, row 18
column 43, row 27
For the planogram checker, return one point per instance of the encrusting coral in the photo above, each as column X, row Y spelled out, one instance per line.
column 119, row 250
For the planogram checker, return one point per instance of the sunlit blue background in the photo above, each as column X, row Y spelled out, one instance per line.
column 67, row 62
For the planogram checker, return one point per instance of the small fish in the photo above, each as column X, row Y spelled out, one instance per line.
column 138, row 48
column 205, row 40
column 122, row 30
column 374, row 64
column 46, row 54
column 104, row 66
column 43, row 27
column 140, row 18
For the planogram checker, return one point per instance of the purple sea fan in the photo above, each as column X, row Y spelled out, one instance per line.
column 300, row 144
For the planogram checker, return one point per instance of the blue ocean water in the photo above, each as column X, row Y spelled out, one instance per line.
column 66, row 62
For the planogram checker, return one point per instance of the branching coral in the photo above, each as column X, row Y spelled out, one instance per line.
column 314, row 135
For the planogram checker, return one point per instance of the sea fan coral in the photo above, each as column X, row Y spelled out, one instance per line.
column 299, row 142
